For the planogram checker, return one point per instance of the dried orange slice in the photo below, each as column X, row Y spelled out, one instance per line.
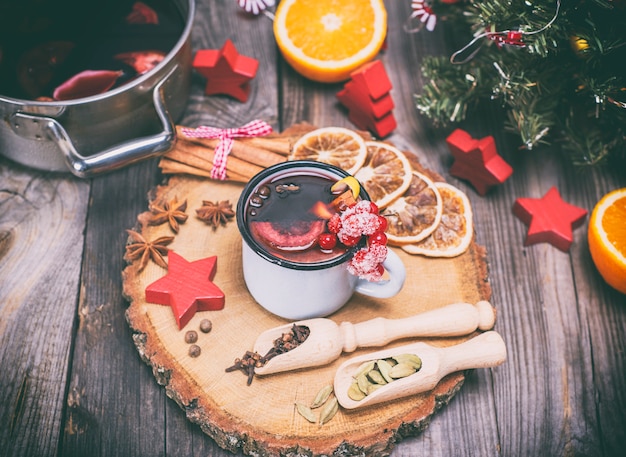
column 326, row 40
column 414, row 215
column 455, row 231
column 386, row 173
column 607, row 238
column 337, row 146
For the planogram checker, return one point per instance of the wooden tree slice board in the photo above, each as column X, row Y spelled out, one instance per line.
column 261, row 419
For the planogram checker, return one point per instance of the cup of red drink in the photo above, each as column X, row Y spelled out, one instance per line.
column 298, row 260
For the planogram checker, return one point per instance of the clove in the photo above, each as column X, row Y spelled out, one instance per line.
column 286, row 342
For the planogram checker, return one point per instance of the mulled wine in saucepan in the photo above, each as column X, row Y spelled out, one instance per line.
column 67, row 49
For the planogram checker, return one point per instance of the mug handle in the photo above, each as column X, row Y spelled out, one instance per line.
column 117, row 156
column 387, row 288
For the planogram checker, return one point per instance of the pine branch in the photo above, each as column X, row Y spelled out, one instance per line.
column 565, row 84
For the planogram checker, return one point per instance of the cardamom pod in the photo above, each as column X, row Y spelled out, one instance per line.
column 376, row 377
column 384, row 367
column 411, row 359
column 355, row 393
column 374, row 374
column 373, row 387
column 364, row 368
column 363, row 382
column 306, row 412
column 391, row 361
column 329, row 410
column 322, row 396
column 402, row 370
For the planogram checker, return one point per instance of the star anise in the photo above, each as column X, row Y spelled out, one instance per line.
column 215, row 213
column 172, row 212
column 145, row 250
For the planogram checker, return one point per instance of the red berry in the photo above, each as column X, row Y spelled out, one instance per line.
column 327, row 241
column 334, row 223
column 373, row 208
column 378, row 238
column 359, row 256
column 380, row 270
column 382, row 221
column 350, row 240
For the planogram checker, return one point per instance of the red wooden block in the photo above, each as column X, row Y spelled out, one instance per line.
column 368, row 100
column 356, row 100
column 549, row 218
column 372, row 79
column 187, row 287
column 227, row 72
column 381, row 127
column 477, row 161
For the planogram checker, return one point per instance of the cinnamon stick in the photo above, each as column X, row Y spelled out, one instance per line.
column 202, row 157
column 169, row 166
column 244, row 151
column 278, row 145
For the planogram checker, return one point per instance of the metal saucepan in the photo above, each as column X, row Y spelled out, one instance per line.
column 101, row 133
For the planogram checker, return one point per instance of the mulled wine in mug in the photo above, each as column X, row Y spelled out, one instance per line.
column 294, row 264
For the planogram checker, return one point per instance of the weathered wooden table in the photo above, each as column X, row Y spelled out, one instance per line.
column 72, row 382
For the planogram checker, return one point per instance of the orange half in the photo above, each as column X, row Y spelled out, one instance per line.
column 607, row 238
column 326, row 40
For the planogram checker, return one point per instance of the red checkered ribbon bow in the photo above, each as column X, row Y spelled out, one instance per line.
column 225, row 144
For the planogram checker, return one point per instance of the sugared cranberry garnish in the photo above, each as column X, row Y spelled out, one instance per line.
column 378, row 238
column 327, row 241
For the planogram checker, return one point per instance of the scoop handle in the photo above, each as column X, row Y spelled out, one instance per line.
column 483, row 351
column 452, row 320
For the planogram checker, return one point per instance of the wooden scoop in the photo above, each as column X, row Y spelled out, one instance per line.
column 482, row 351
column 327, row 340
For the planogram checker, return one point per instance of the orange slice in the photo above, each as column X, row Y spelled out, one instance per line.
column 337, row 146
column 455, row 231
column 607, row 238
column 326, row 40
column 386, row 173
column 414, row 215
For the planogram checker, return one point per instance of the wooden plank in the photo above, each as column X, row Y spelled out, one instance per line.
column 603, row 324
column 549, row 377
column 475, row 400
column 42, row 218
column 114, row 407
column 253, row 37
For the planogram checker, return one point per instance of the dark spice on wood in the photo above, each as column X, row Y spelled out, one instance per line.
column 286, row 342
column 191, row 336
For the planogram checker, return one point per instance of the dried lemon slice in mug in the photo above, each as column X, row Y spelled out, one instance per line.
column 416, row 214
column 455, row 231
column 386, row 173
column 337, row 146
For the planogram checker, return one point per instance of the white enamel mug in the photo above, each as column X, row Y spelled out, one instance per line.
column 293, row 290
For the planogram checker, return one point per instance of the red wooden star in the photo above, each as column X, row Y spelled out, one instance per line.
column 549, row 218
column 477, row 161
column 227, row 72
column 187, row 288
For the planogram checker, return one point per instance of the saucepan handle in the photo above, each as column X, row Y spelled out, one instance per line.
column 117, row 156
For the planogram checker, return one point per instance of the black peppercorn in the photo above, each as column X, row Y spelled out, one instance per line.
column 194, row 350
column 205, row 326
column 191, row 336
